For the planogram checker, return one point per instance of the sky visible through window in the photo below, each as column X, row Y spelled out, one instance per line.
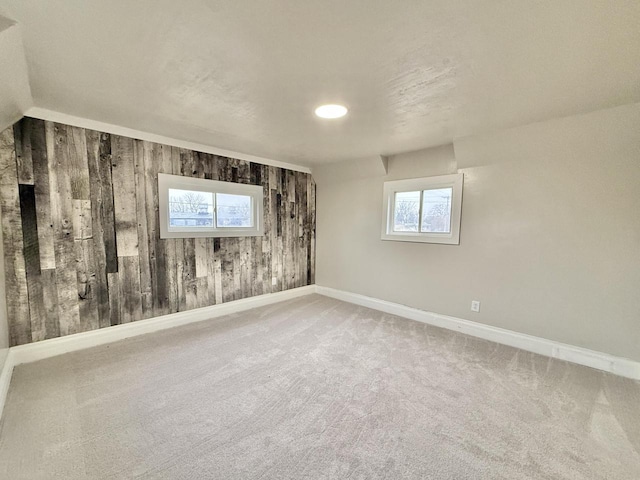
column 234, row 210
column 436, row 211
column 190, row 208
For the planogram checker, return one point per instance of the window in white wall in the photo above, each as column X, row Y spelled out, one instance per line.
column 196, row 207
column 423, row 209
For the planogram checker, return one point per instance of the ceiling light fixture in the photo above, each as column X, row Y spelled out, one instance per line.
column 331, row 111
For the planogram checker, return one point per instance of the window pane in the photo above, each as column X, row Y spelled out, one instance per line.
column 436, row 210
column 234, row 210
column 406, row 212
column 189, row 208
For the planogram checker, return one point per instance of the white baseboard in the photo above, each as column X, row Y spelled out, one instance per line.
column 58, row 346
column 32, row 352
column 602, row 361
column 5, row 379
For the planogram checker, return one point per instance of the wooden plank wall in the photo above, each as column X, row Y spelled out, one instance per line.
column 81, row 238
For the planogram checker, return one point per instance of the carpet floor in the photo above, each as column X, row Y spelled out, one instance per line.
column 315, row 388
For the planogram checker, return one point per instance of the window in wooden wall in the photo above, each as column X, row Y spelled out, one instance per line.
column 195, row 207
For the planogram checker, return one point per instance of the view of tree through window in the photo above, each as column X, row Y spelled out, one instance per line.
column 233, row 210
column 407, row 212
column 190, row 208
column 436, row 211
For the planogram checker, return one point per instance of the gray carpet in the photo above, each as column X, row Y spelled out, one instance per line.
column 316, row 388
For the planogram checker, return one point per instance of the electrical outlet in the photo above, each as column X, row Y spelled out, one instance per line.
column 475, row 305
column 274, row 281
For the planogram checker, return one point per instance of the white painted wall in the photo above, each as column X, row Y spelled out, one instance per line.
column 15, row 94
column 15, row 99
column 550, row 236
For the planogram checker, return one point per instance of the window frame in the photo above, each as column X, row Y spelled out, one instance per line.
column 178, row 182
column 454, row 181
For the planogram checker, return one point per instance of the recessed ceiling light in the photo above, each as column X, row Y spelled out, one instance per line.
column 331, row 111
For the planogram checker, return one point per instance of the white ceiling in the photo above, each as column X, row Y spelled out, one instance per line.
column 247, row 75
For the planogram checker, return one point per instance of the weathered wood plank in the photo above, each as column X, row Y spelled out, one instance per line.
column 15, row 269
column 244, row 244
column 24, row 160
column 202, row 292
column 189, row 282
column 152, row 164
column 176, row 161
column 309, row 228
column 166, row 253
column 312, row 241
column 102, row 221
column 85, row 266
column 200, row 247
column 217, row 270
column 172, row 283
column 208, row 165
column 266, row 238
column 223, row 258
column 244, row 254
column 29, row 229
column 297, row 231
column 276, row 238
column 227, row 259
column 198, row 165
column 187, row 162
column 283, row 237
column 32, row 261
column 279, row 213
column 302, row 211
column 211, row 173
column 62, row 220
column 290, row 244
column 108, row 205
column 115, row 307
column 219, row 168
column 37, row 314
column 202, row 268
column 273, row 236
column 244, row 172
column 40, row 151
column 142, row 154
column 257, row 270
column 273, row 177
column 124, row 197
column 292, row 229
column 47, row 188
column 129, row 282
column 50, row 302
column 255, row 173
column 78, row 164
column 237, row 267
column 211, row 271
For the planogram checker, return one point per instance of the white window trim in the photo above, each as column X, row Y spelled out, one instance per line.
column 390, row 189
column 166, row 181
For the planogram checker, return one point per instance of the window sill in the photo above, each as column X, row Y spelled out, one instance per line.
column 444, row 239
